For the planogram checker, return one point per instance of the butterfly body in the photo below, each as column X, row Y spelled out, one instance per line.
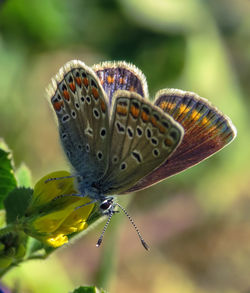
column 118, row 141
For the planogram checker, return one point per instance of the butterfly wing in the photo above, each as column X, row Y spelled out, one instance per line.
column 81, row 106
column 207, row 131
column 121, row 76
column 142, row 138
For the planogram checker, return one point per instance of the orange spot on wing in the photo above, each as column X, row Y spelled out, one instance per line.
column 58, row 105
column 183, row 109
column 132, row 89
column 121, row 110
column 78, row 81
column 213, row 128
column 95, row 92
column 101, row 81
column 195, row 115
column 103, row 106
column 204, row 121
column 163, row 105
column 153, row 121
column 121, row 80
column 134, row 111
column 85, row 81
column 167, row 105
column 110, row 79
column 144, row 116
column 168, row 142
column 66, row 95
column 72, row 86
column 162, row 129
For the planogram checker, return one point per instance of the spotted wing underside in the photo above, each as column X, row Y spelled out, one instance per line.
column 81, row 106
column 206, row 131
column 142, row 138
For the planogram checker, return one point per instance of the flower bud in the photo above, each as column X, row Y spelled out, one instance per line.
column 54, row 212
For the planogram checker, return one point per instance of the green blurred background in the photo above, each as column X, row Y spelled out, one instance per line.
column 198, row 222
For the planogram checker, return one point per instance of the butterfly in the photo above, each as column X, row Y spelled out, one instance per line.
column 118, row 141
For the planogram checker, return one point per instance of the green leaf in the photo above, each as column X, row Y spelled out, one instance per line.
column 89, row 289
column 37, row 27
column 35, row 248
column 7, row 178
column 16, row 203
column 23, row 175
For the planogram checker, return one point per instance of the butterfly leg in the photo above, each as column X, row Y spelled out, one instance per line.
column 72, row 194
column 59, row 178
column 90, row 202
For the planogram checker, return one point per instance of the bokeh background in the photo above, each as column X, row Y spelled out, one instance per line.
column 197, row 222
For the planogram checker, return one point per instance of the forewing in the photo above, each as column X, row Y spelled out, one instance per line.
column 121, row 76
column 207, row 131
column 81, row 106
column 142, row 138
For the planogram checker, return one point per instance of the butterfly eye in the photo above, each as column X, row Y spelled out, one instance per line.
column 106, row 204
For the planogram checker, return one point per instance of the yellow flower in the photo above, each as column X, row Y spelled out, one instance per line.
column 49, row 217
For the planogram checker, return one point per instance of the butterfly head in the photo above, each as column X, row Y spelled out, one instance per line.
column 107, row 206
